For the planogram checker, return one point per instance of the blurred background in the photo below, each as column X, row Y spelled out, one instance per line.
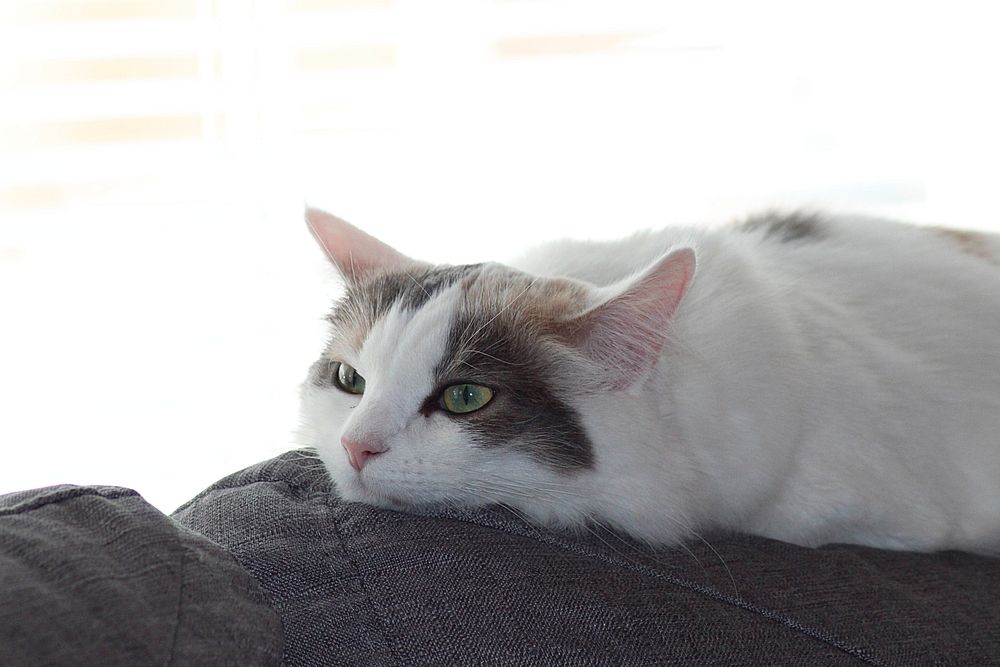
column 160, row 298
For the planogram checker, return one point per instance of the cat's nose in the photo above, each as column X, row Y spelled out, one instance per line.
column 361, row 450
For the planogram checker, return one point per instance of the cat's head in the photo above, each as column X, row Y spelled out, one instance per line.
column 467, row 385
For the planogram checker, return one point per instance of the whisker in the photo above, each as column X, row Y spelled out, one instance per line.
column 415, row 282
column 466, row 363
column 496, row 359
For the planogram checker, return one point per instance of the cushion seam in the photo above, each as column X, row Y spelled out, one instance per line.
column 180, row 603
column 369, row 600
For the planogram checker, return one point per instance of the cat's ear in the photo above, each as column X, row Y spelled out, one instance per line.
column 625, row 331
column 354, row 253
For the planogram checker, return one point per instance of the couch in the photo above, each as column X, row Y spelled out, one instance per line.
column 268, row 566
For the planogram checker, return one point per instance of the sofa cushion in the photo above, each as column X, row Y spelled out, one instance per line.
column 358, row 585
column 96, row 576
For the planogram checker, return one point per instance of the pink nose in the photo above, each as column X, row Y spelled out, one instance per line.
column 359, row 451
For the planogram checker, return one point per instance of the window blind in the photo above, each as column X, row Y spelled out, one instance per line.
column 100, row 96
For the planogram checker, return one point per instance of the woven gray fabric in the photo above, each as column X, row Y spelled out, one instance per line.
column 96, row 576
column 360, row 586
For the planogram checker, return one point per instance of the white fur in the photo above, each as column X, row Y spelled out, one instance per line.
column 845, row 389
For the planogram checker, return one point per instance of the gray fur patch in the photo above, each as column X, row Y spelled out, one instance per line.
column 787, row 227
column 371, row 298
column 496, row 340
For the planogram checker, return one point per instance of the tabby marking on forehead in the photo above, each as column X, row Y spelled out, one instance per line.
column 369, row 299
column 498, row 339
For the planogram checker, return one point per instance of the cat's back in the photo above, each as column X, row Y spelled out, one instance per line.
column 891, row 276
column 828, row 251
column 841, row 241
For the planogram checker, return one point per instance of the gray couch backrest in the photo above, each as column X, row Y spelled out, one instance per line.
column 361, row 586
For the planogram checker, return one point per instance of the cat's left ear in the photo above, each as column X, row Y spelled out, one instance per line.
column 625, row 332
column 354, row 253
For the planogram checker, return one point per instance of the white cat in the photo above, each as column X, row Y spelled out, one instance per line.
column 810, row 379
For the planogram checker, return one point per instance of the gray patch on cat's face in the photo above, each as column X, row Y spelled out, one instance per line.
column 499, row 344
column 785, row 227
column 369, row 299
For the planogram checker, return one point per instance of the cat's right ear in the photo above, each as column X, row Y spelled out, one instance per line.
column 626, row 330
column 354, row 253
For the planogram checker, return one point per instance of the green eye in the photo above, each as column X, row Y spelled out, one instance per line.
column 462, row 398
column 349, row 379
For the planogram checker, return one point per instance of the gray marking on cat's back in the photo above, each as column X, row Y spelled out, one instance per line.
column 785, row 227
column 499, row 344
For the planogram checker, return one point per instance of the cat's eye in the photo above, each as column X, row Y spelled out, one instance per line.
column 463, row 398
column 349, row 379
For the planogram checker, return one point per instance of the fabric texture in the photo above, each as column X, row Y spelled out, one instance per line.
column 361, row 586
column 96, row 576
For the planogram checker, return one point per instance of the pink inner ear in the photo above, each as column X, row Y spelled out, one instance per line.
column 353, row 252
column 626, row 333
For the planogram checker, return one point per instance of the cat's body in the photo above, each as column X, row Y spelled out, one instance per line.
column 815, row 380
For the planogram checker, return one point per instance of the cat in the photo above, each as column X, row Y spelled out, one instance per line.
column 806, row 378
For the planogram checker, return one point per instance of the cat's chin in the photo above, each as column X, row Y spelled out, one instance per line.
column 354, row 490
column 350, row 487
